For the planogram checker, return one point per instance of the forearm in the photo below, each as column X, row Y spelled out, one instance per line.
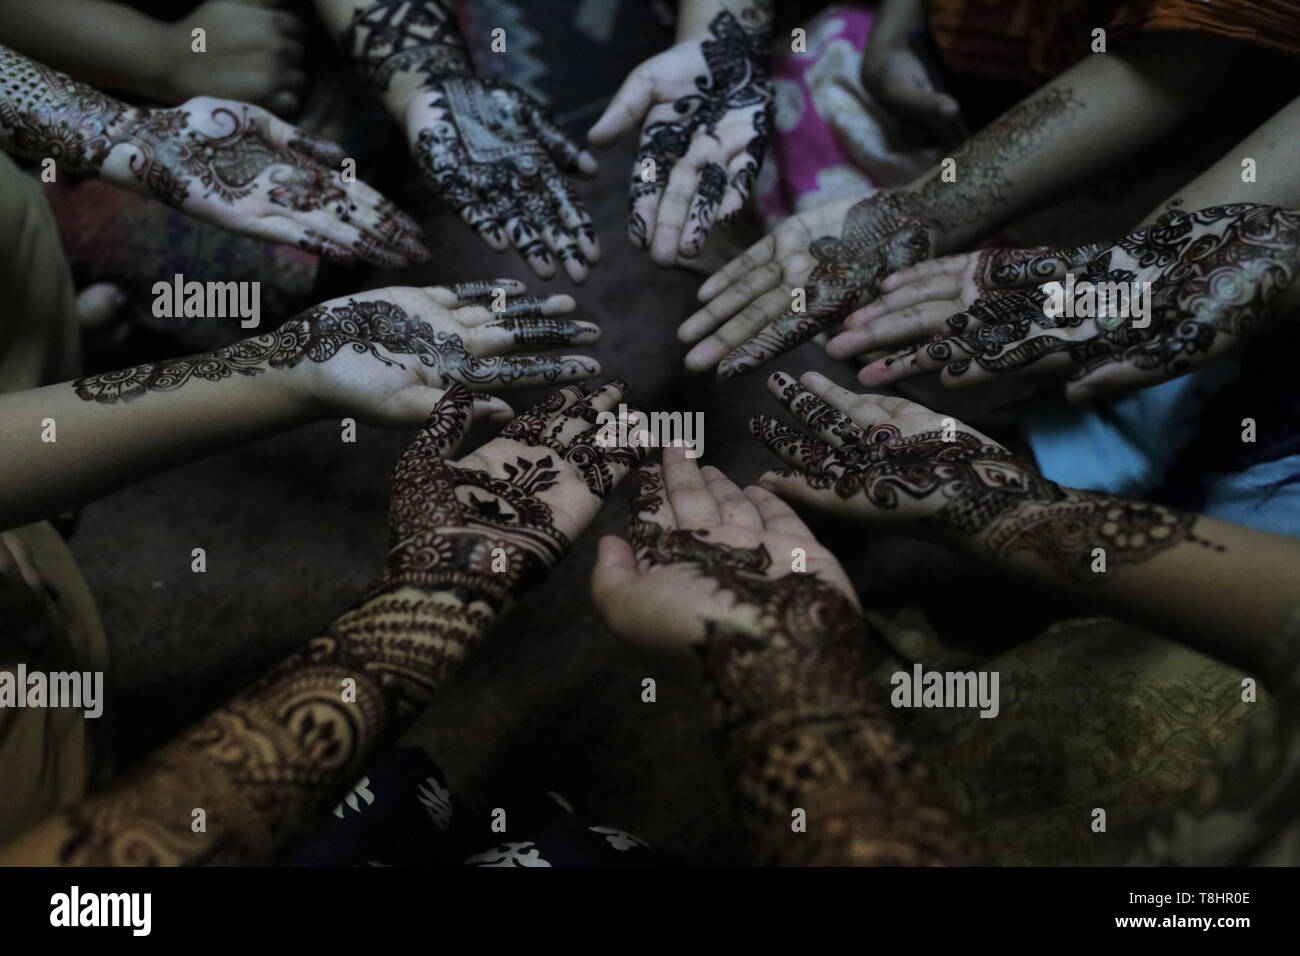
column 1274, row 178
column 108, row 45
column 265, row 766
column 822, row 775
column 694, row 16
column 46, row 114
column 1224, row 588
column 68, row 444
column 1083, row 121
column 395, row 46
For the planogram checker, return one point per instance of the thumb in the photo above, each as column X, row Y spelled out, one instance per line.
column 615, row 569
column 625, row 111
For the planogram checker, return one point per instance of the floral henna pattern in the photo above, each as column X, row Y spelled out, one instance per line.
column 170, row 158
column 971, row 486
column 804, row 727
column 736, row 79
column 378, row 328
column 1213, row 272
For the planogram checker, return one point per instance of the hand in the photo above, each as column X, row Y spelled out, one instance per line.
column 897, row 80
column 494, row 156
column 254, row 54
column 915, row 302
column 238, row 167
column 384, row 356
column 1212, row 275
column 498, row 520
column 706, row 105
column 704, row 558
column 886, row 460
column 750, row 317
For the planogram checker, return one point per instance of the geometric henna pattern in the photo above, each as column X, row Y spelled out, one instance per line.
column 391, row 36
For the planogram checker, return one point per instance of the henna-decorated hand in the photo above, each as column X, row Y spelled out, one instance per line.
column 706, row 105
column 385, row 355
column 915, row 302
column 882, row 459
column 738, row 578
column 238, row 167
column 750, row 314
column 703, row 555
column 496, row 157
column 498, row 520
column 1212, row 273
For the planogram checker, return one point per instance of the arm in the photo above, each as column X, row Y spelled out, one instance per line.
column 1227, row 590
column 487, row 149
column 784, row 655
column 1084, row 120
column 266, row 765
column 227, row 163
column 384, row 358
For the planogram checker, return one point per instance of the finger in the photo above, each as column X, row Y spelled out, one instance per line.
column 480, row 217
column 573, row 215
column 776, row 514
column 925, row 289
column 539, row 418
column 564, row 249
column 757, row 255
column 692, row 503
column 674, row 209
column 574, row 420
column 508, row 335
column 780, row 336
column 756, row 316
column 475, row 291
column 560, row 146
column 792, row 486
column 736, row 296
column 625, row 111
column 652, row 515
column 909, row 362
column 908, row 326
column 530, row 244
column 615, row 570
column 734, row 507
column 741, row 172
column 866, row 409
column 390, row 227
column 710, row 188
column 366, row 245
column 794, row 448
column 441, row 435
column 515, row 372
column 325, row 152
column 829, row 424
column 953, row 265
column 520, row 307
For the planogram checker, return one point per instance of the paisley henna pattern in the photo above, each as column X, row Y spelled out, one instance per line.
column 803, row 727
column 962, row 483
column 1213, row 272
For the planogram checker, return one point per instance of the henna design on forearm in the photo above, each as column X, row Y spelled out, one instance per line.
column 45, row 113
column 803, row 727
column 378, row 328
column 736, row 78
column 894, row 229
column 970, row 486
column 409, row 36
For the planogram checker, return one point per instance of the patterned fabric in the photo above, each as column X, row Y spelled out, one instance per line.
column 1029, row 41
column 402, row 813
